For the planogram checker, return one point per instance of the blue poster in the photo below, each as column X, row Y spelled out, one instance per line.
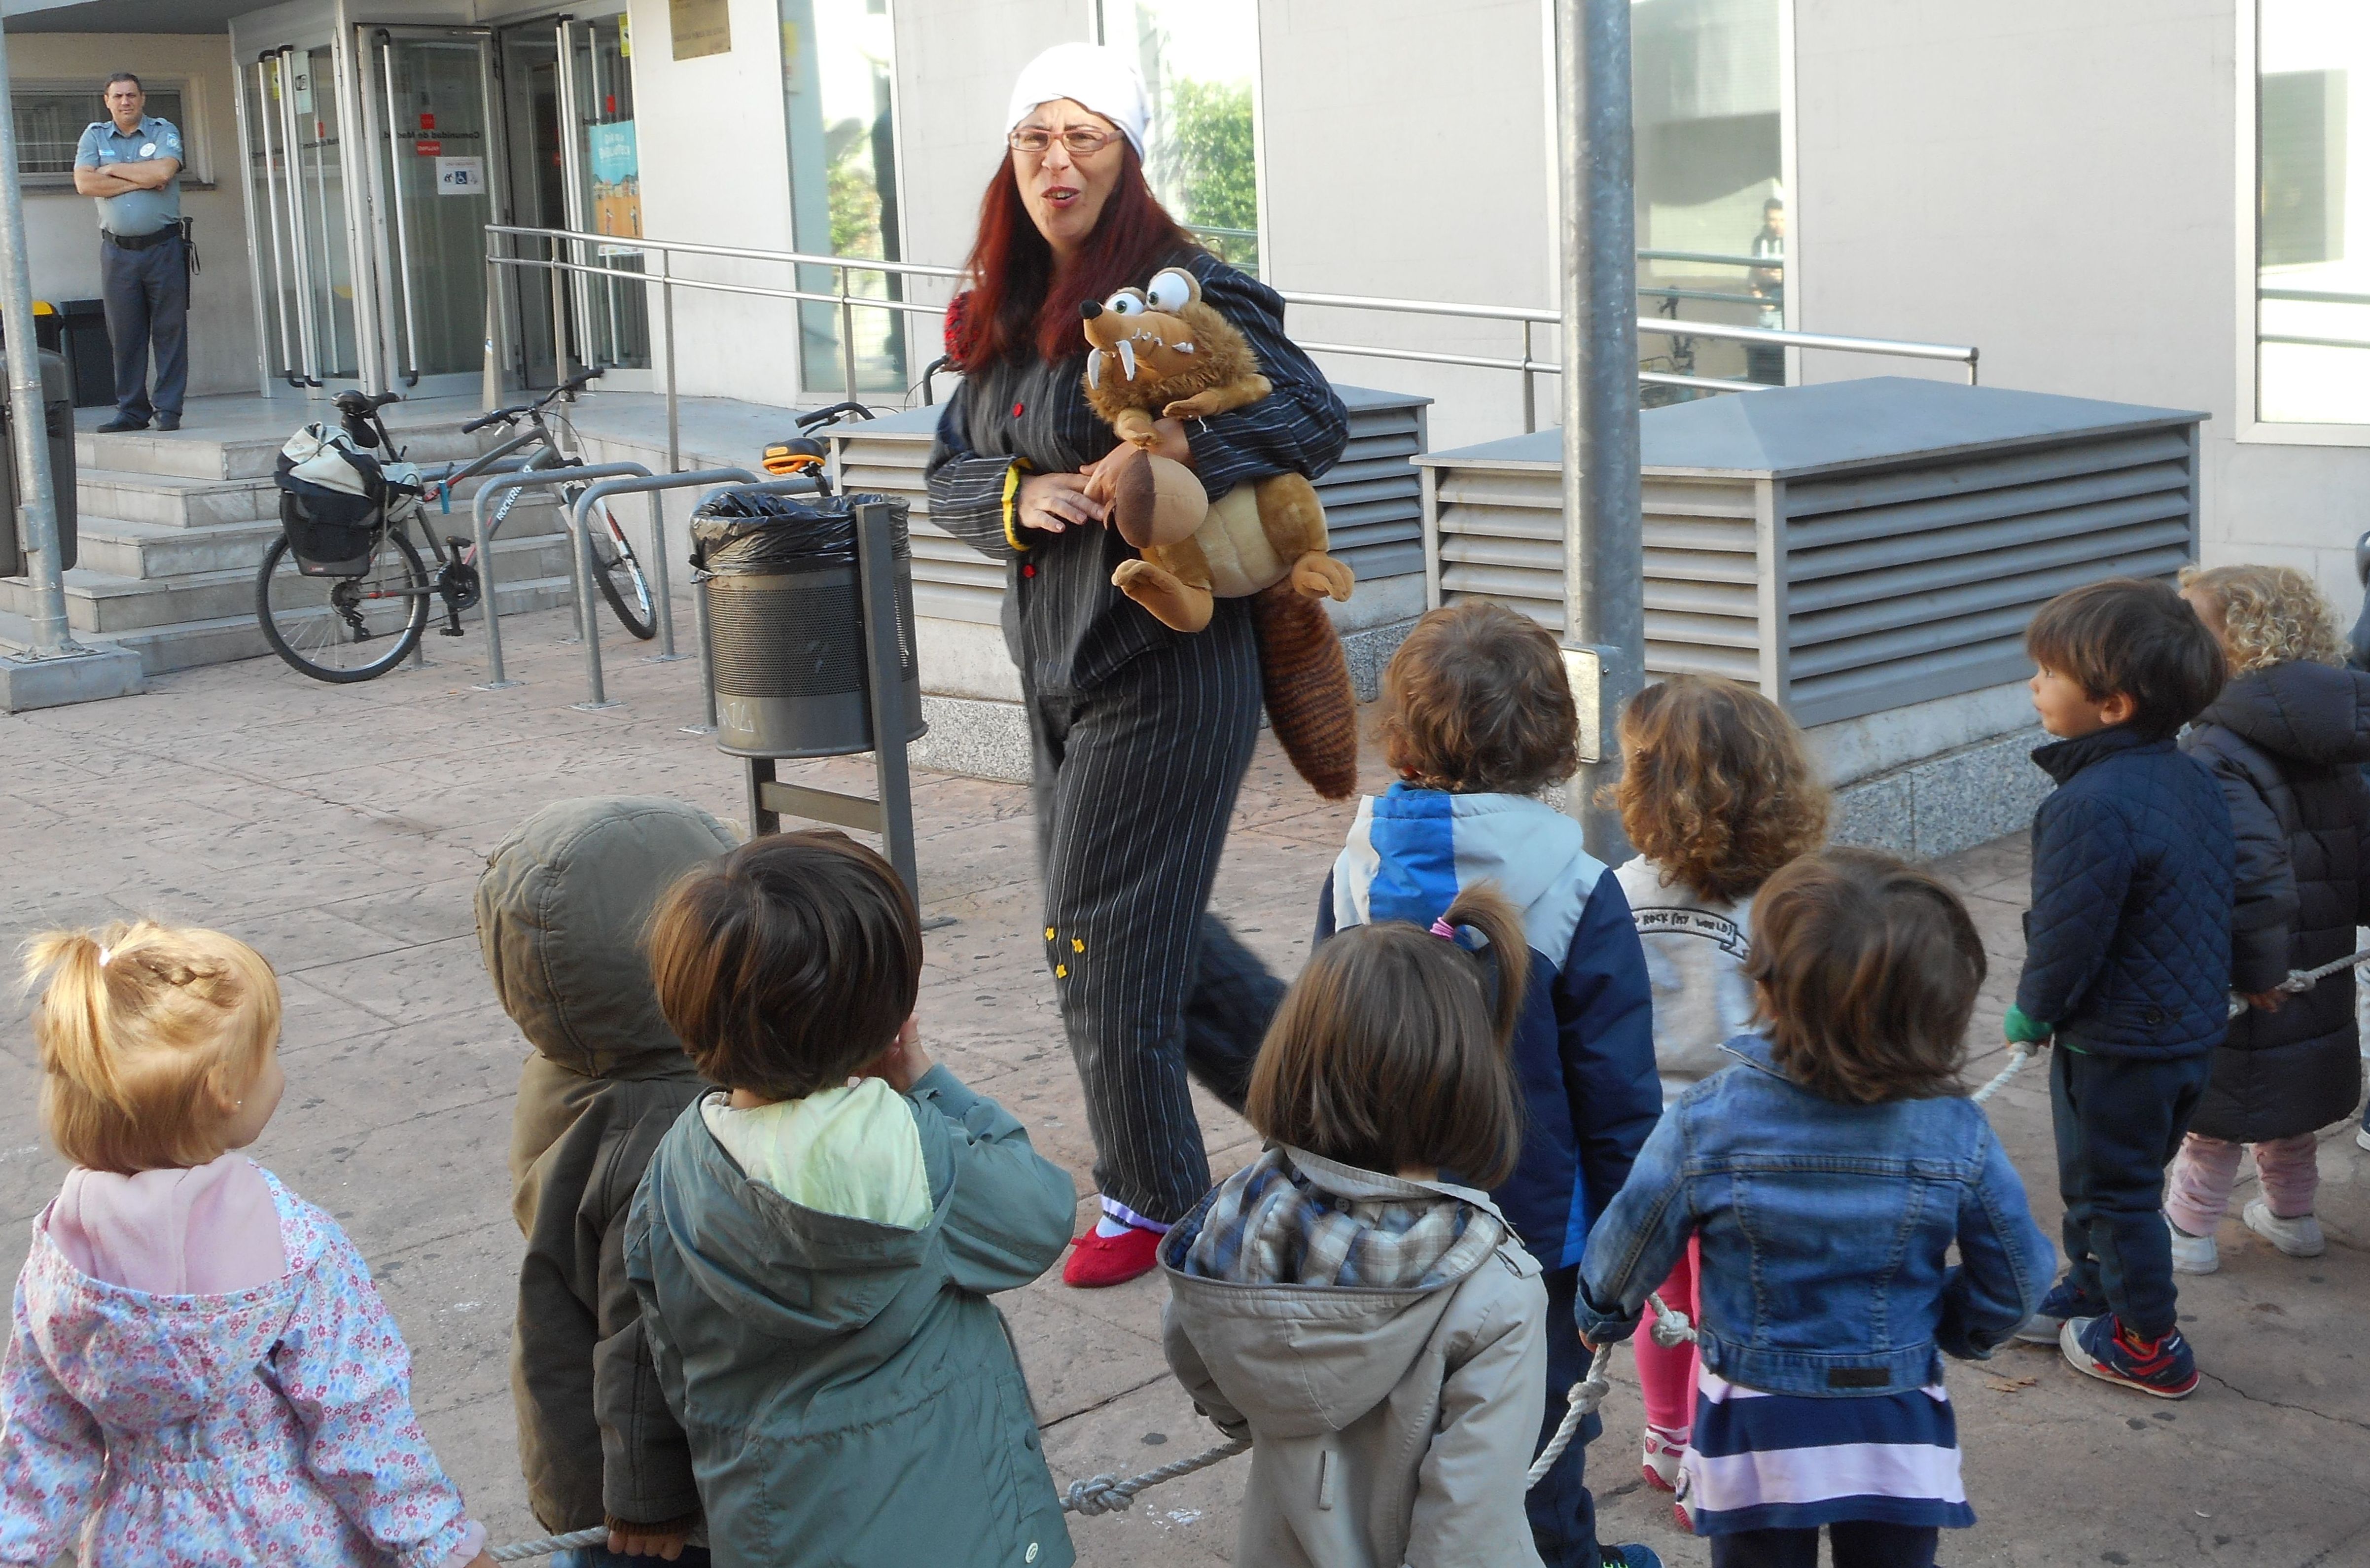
column 616, row 179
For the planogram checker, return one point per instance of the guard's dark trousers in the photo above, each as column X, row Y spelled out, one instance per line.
column 147, row 295
column 1134, row 782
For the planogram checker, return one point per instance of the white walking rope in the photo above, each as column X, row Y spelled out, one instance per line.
column 1107, row 1493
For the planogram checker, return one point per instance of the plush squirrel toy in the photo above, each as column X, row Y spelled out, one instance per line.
column 1161, row 351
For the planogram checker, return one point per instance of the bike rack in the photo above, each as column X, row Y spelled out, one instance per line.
column 525, row 479
column 581, row 541
column 502, row 463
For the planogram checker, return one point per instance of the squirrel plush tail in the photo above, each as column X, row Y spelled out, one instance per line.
column 1305, row 681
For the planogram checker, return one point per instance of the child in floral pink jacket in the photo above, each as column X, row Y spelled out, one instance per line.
column 198, row 1370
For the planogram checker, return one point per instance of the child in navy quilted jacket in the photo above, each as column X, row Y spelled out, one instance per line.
column 1477, row 719
column 2127, row 958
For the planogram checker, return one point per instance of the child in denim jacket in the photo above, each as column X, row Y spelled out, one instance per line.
column 1866, row 1168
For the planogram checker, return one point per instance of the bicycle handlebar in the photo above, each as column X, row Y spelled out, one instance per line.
column 509, row 415
column 832, row 415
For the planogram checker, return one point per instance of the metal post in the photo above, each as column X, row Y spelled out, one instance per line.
column 1604, row 619
column 666, row 319
column 580, row 536
column 846, row 337
column 706, row 661
column 1530, row 388
column 558, row 318
column 489, row 384
column 37, row 494
column 660, row 590
column 876, row 565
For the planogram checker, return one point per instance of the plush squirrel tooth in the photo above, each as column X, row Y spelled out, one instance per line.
column 1095, row 368
column 1127, row 358
column 1185, row 347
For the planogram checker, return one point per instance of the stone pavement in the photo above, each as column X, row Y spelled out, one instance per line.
column 340, row 830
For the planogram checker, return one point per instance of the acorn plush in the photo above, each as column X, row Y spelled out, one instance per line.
column 1161, row 351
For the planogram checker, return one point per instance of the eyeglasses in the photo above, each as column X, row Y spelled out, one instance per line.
column 1082, row 140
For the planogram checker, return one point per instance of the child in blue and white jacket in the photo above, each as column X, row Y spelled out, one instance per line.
column 1478, row 718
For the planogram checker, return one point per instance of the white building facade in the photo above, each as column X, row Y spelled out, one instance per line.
column 2120, row 200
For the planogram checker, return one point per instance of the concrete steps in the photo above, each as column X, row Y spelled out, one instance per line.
column 218, row 640
column 173, row 527
column 181, row 454
column 111, row 603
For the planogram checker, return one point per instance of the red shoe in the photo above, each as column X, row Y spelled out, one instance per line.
column 1097, row 1261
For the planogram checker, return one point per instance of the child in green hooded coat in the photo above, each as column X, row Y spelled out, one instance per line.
column 814, row 1245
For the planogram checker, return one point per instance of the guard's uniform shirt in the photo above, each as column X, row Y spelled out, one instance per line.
column 134, row 212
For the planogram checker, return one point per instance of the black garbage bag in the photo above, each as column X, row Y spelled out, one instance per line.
column 752, row 533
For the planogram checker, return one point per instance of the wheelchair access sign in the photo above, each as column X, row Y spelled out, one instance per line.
column 460, row 176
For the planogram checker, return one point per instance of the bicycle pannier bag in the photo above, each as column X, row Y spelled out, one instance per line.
column 331, row 501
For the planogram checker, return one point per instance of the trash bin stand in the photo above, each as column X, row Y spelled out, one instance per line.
column 890, row 811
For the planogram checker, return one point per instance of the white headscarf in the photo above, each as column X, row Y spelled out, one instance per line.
column 1089, row 75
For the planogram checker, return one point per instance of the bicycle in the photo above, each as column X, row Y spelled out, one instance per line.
column 374, row 617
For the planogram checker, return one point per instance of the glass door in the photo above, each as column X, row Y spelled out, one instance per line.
column 605, row 188
column 296, row 153
column 567, row 112
column 431, row 96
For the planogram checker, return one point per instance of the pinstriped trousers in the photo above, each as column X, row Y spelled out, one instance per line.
column 1133, row 786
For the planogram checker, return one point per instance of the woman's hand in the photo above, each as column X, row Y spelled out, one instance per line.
column 1053, row 503
column 1167, row 441
column 2268, row 1001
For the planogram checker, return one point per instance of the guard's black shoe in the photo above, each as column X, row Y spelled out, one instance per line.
column 168, row 422
column 121, row 424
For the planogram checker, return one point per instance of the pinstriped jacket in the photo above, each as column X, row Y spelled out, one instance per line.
column 1066, row 626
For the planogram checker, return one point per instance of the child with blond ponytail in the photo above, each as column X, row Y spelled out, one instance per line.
column 198, row 1369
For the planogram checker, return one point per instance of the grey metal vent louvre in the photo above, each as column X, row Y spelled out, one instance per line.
column 1848, row 547
column 1373, row 506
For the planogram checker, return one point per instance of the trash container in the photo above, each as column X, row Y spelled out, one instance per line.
column 58, row 403
column 90, row 354
column 786, row 622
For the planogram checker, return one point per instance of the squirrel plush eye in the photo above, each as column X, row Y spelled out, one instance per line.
column 1127, row 302
column 1171, row 289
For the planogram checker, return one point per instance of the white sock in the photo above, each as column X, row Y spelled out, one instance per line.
column 1110, row 1224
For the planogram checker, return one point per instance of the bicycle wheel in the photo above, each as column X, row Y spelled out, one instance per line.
column 619, row 574
column 343, row 630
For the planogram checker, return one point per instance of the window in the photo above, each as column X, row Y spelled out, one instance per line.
column 2312, row 212
column 837, row 70
column 1198, row 59
column 51, row 116
column 1712, row 210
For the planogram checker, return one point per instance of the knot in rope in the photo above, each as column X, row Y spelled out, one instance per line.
column 1671, row 1328
column 1108, row 1494
column 1098, row 1495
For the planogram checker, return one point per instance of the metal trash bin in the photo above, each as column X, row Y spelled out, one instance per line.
column 785, row 607
column 58, row 408
column 90, row 354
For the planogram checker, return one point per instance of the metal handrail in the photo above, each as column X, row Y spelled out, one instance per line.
column 2313, row 296
column 1526, row 317
column 1718, row 259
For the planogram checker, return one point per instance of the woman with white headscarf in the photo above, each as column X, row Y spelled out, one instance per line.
column 1140, row 733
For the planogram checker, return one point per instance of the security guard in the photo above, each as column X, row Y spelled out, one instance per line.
column 132, row 164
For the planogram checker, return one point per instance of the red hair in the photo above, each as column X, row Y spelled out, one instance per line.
column 1020, row 303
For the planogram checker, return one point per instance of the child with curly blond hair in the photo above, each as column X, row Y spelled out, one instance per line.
column 1716, row 793
column 198, row 1369
column 2285, row 740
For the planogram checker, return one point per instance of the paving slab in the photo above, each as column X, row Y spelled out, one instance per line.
column 341, row 828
